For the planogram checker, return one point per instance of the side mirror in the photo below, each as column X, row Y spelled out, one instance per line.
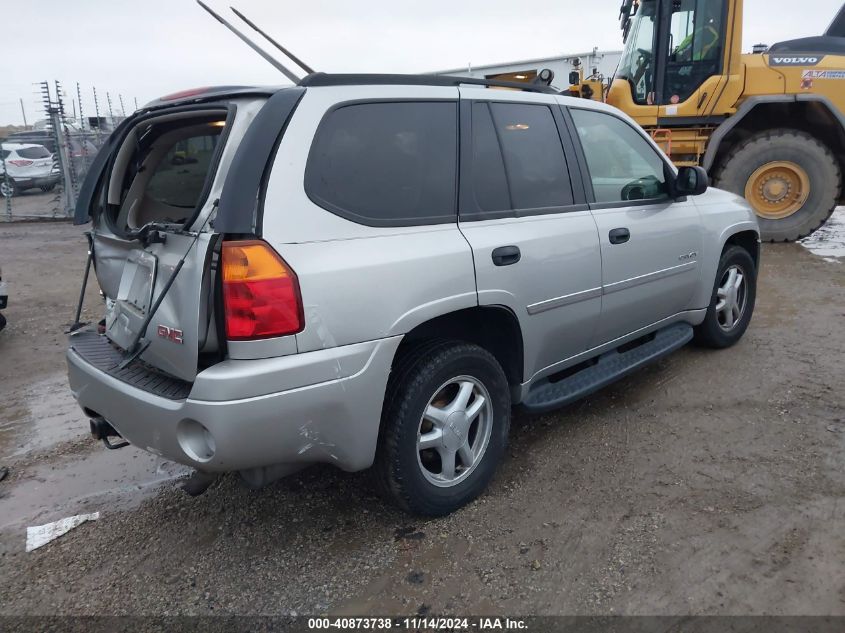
column 691, row 181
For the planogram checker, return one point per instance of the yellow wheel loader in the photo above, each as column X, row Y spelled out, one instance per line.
column 769, row 126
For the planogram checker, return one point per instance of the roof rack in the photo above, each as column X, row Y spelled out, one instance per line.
column 354, row 79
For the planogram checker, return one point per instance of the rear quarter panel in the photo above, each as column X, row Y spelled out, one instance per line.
column 358, row 282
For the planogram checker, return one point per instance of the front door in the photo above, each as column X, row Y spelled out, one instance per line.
column 649, row 242
column 533, row 239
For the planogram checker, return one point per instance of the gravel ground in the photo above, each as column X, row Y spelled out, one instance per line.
column 708, row 483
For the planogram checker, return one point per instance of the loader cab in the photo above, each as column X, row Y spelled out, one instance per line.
column 672, row 47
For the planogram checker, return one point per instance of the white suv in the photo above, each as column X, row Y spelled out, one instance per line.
column 372, row 270
column 26, row 166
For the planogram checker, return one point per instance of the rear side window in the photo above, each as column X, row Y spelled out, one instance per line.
column 623, row 165
column 518, row 158
column 386, row 164
column 4, row 154
column 34, row 152
column 489, row 181
column 179, row 178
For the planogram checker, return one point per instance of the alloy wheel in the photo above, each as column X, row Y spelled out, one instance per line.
column 731, row 298
column 454, row 431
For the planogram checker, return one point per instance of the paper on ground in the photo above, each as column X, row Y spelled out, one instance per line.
column 42, row 534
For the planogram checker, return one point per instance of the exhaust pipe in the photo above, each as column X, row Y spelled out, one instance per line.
column 102, row 430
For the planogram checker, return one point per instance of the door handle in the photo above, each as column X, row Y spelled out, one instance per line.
column 619, row 236
column 506, row 255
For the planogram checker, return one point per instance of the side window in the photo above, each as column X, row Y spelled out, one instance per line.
column 180, row 176
column 386, row 163
column 533, row 155
column 489, row 182
column 623, row 165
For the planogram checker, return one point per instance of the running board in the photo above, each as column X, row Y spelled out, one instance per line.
column 611, row 366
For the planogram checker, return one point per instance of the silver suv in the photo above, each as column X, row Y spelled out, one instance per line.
column 372, row 270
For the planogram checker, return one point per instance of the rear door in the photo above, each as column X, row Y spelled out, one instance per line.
column 533, row 239
column 649, row 242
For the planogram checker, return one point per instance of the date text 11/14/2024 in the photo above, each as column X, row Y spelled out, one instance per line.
column 418, row 623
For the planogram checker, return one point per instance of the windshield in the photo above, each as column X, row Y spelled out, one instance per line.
column 637, row 62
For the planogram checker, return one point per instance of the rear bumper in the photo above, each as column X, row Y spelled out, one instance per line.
column 37, row 181
column 333, row 417
column 4, row 295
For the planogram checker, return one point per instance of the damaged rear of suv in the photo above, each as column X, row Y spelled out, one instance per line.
column 200, row 312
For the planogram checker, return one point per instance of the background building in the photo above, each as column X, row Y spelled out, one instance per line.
column 604, row 62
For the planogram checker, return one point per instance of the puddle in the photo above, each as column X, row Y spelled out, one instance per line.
column 39, row 417
column 98, row 480
column 44, row 415
column 829, row 241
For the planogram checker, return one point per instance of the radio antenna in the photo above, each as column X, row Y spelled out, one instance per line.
column 276, row 63
column 255, row 27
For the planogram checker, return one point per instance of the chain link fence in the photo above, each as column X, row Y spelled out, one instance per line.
column 42, row 167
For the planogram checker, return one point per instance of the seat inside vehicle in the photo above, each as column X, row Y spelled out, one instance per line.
column 162, row 169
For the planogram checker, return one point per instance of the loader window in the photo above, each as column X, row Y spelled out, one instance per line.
column 695, row 47
column 623, row 165
column 637, row 62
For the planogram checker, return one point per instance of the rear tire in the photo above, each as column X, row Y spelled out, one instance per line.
column 8, row 188
column 815, row 162
column 413, row 466
column 732, row 303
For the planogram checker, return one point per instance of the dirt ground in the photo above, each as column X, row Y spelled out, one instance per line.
column 709, row 483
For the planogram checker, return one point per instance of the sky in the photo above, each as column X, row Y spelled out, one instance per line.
column 142, row 49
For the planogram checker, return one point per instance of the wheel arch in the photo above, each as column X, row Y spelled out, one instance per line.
column 495, row 328
column 747, row 239
column 813, row 114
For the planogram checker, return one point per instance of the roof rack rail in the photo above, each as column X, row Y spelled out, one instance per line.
column 355, row 79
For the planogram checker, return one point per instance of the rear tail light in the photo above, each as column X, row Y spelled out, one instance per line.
column 20, row 162
column 261, row 296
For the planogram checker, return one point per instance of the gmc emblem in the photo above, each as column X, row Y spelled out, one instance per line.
column 170, row 333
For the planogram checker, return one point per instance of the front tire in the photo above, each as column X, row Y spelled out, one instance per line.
column 8, row 188
column 790, row 178
column 732, row 303
column 445, row 426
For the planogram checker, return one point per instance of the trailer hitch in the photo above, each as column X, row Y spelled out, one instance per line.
column 102, row 430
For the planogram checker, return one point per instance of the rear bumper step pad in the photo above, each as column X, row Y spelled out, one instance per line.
column 97, row 351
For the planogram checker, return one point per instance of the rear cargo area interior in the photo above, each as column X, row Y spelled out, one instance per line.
column 161, row 171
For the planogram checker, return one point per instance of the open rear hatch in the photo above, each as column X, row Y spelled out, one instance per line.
column 151, row 207
column 152, row 195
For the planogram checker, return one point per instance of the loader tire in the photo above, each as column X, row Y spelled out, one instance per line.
column 792, row 180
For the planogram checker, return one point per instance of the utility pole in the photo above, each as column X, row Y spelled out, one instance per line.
column 97, row 114
column 23, row 113
column 82, row 127
column 56, row 114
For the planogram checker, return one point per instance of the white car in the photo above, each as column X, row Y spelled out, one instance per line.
column 26, row 166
